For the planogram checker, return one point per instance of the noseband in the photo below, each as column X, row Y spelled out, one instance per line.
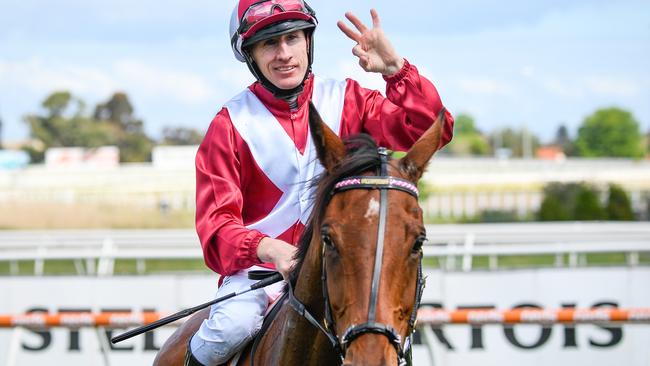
column 383, row 183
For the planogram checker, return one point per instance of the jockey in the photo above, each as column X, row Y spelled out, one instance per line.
column 252, row 199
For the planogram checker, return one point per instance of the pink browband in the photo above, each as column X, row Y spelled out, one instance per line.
column 374, row 182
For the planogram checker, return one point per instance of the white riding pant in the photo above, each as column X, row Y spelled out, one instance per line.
column 234, row 322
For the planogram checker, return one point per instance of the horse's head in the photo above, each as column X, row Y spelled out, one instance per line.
column 368, row 233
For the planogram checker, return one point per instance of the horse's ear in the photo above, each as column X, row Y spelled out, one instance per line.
column 417, row 158
column 329, row 147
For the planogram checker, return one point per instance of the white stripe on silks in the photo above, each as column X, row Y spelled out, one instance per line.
column 328, row 97
column 276, row 154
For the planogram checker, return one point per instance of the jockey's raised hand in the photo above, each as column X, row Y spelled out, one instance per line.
column 373, row 48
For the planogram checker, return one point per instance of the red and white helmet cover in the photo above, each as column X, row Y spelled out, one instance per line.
column 250, row 16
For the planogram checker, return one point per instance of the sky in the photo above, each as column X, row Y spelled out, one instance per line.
column 532, row 64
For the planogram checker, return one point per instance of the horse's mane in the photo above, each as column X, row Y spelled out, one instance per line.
column 361, row 156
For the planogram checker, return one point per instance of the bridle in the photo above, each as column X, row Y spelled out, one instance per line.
column 383, row 183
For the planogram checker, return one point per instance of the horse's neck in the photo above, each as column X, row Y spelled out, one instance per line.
column 304, row 344
column 309, row 285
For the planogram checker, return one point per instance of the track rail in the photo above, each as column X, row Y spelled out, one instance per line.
column 426, row 316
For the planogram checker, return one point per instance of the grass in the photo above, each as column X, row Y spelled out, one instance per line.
column 30, row 215
column 644, row 258
column 122, row 267
column 130, row 267
column 538, row 261
column 160, row 266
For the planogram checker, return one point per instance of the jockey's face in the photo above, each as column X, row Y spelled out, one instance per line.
column 282, row 59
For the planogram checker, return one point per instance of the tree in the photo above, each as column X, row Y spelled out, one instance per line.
column 558, row 202
column 610, row 132
column 181, row 136
column 521, row 142
column 619, row 207
column 117, row 109
column 553, row 210
column 563, row 141
column 588, row 206
column 65, row 123
column 467, row 140
column 134, row 144
column 571, row 201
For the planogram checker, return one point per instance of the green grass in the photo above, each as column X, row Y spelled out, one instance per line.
column 607, row 259
column 644, row 258
column 537, row 261
column 130, row 267
column 159, row 266
column 122, row 267
column 24, row 268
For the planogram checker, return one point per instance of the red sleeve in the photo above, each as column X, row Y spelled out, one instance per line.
column 228, row 245
column 396, row 122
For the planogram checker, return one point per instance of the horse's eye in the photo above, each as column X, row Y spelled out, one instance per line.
column 326, row 238
column 327, row 241
column 417, row 245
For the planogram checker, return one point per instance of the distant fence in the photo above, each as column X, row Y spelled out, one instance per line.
column 455, row 246
column 462, row 186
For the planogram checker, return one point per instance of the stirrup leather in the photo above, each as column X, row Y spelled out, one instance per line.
column 189, row 358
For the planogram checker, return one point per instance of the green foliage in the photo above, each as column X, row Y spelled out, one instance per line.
column 582, row 201
column 619, row 207
column 610, row 132
column 588, row 206
column 564, row 193
column 117, row 109
column 57, row 103
column 181, row 136
column 552, row 209
column 65, row 124
column 135, row 147
column 464, row 125
column 492, row 216
column 467, row 140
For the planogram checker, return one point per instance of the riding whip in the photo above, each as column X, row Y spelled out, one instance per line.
column 271, row 279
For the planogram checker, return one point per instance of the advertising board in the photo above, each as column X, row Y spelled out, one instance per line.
column 452, row 344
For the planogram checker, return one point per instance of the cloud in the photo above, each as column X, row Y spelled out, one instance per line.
column 158, row 82
column 612, row 86
column 349, row 68
column 577, row 86
column 140, row 78
column 562, row 88
column 482, row 85
column 34, row 76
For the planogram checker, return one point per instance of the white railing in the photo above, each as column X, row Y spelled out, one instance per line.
column 455, row 246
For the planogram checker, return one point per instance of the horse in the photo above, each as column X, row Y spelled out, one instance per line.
column 353, row 294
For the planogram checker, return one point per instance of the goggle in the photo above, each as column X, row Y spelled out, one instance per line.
column 264, row 9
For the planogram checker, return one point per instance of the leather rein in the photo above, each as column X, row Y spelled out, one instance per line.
column 383, row 183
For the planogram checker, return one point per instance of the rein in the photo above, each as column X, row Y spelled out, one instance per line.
column 383, row 183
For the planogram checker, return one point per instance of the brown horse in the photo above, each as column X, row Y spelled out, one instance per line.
column 358, row 274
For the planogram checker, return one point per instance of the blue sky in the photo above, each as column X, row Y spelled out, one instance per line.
column 533, row 64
